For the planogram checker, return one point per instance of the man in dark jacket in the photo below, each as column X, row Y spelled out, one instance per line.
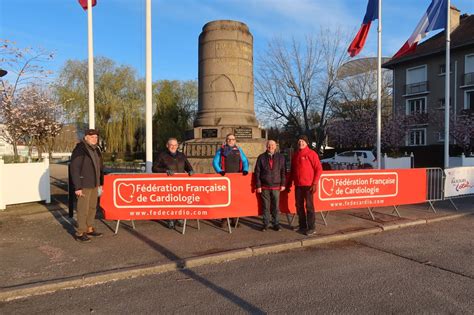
column 270, row 180
column 87, row 176
column 305, row 173
column 170, row 162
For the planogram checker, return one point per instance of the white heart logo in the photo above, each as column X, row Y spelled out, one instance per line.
column 328, row 186
column 125, row 192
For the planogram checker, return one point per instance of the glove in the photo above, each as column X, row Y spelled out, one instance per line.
column 222, row 173
column 191, row 173
column 169, row 173
column 245, row 173
column 312, row 189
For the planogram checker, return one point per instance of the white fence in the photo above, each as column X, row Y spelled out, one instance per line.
column 397, row 163
column 455, row 161
column 24, row 182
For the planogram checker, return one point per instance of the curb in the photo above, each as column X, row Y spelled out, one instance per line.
column 23, row 291
column 448, row 217
column 402, row 225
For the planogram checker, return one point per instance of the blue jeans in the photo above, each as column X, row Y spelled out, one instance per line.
column 270, row 203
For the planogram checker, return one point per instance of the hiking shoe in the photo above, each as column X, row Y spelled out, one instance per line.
column 310, row 232
column 277, row 227
column 94, row 234
column 82, row 238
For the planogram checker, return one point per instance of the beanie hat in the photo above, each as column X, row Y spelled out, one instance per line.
column 304, row 138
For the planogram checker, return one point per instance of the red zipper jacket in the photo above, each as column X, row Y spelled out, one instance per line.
column 305, row 168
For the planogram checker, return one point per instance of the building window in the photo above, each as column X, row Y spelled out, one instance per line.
column 417, row 137
column 416, row 81
column 469, row 70
column 469, row 100
column 440, row 135
column 442, row 69
column 416, row 106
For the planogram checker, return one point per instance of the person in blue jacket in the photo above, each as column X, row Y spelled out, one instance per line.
column 230, row 159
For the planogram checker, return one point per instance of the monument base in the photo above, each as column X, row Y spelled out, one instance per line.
column 207, row 140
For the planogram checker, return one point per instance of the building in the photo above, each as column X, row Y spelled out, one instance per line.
column 419, row 80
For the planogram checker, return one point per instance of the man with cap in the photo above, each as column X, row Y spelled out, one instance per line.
column 305, row 173
column 170, row 162
column 87, row 176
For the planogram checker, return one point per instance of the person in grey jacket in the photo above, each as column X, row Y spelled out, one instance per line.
column 87, row 176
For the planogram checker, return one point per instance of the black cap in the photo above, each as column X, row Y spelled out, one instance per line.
column 90, row 132
column 304, row 138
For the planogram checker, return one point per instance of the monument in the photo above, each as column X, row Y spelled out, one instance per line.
column 226, row 95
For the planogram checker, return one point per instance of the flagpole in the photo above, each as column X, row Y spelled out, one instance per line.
column 446, row 87
column 379, row 86
column 90, row 46
column 148, row 93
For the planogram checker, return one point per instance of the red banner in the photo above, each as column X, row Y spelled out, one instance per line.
column 374, row 188
column 209, row 196
column 157, row 196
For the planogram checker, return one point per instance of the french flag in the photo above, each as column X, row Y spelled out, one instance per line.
column 435, row 18
column 371, row 14
column 83, row 3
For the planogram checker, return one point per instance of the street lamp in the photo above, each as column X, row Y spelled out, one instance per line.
column 3, row 72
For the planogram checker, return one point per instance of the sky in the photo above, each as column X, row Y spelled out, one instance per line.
column 60, row 26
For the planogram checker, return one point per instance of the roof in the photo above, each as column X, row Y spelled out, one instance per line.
column 461, row 36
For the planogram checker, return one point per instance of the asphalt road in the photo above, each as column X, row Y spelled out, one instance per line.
column 425, row 269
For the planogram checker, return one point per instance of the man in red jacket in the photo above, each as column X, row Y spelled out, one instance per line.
column 305, row 173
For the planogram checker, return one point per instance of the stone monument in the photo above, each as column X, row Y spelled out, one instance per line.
column 226, row 97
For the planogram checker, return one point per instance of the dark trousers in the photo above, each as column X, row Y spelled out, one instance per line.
column 306, row 216
column 270, row 203
column 86, row 209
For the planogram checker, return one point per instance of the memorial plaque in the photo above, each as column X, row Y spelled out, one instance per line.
column 243, row 133
column 209, row 133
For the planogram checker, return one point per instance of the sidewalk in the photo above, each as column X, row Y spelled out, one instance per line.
column 39, row 252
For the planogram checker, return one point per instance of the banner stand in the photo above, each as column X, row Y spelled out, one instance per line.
column 184, row 226
column 118, row 224
column 236, row 222
column 371, row 214
column 452, row 202
column 431, row 206
column 395, row 209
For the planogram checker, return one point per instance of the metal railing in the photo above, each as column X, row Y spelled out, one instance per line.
column 434, row 186
column 469, row 78
column 418, row 87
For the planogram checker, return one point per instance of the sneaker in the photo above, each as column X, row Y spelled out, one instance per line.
column 265, row 228
column 277, row 227
column 301, row 231
column 94, row 234
column 82, row 238
column 310, row 232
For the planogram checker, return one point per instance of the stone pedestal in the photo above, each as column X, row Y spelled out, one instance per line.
column 226, row 95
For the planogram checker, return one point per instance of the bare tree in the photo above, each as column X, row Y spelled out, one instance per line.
column 295, row 83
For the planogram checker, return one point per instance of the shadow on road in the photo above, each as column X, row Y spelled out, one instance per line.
column 246, row 306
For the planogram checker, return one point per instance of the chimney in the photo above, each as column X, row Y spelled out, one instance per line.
column 454, row 16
